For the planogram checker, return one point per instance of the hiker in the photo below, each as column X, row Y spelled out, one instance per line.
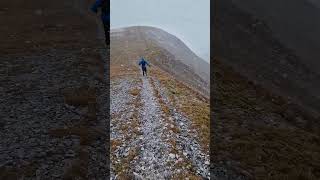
column 143, row 64
column 104, row 6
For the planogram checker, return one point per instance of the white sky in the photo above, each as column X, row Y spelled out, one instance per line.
column 189, row 20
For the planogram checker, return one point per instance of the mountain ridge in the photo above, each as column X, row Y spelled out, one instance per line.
column 164, row 50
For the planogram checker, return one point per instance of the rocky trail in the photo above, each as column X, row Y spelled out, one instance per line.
column 150, row 138
column 54, row 106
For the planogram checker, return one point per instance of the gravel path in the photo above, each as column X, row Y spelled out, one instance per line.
column 153, row 161
column 32, row 105
column 148, row 142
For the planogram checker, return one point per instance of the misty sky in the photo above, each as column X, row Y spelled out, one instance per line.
column 189, row 20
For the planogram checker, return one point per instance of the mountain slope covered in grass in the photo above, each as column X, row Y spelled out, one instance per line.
column 160, row 122
column 162, row 49
column 265, row 105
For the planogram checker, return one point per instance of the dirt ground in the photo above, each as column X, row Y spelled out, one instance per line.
column 256, row 134
column 35, row 26
column 264, row 122
column 54, row 94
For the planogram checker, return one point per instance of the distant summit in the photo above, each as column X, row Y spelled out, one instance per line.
column 164, row 49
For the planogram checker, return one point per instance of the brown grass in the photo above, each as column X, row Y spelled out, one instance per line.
column 163, row 106
column 125, row 128
column 87, row 135
column 175, row 129
column 185, row 163
column 78, row 168
column 199, row 112
column 122, row 168
column 118, row 71
column 115, row 144
column 195, row 106
column 183, row 176
column 16, row 173
column 135, row 91
column 79, row 96
column 256, row 148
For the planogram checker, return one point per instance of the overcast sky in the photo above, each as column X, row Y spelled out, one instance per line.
column 189, row 20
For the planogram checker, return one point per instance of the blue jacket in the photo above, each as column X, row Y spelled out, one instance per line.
column 105, row 15
column 143, row 63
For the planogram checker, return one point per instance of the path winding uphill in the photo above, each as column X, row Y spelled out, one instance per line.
column 151, row 138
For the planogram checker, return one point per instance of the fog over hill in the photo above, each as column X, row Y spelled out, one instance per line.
column 266, row 89
column 163, row 49
column 296, row 24
column 273, row 43
column 192, row 28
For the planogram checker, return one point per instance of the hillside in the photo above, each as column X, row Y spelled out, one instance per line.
column 258, row 135
column 162, row 49
column 265, row 99
column 296, row 25
column 159, row 123
column 247, row 43
column 53, row 91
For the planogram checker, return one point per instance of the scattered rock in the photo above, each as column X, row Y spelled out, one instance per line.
column 155, row 150
column 172, row 156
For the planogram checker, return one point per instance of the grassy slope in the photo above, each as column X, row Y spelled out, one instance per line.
column 192, row 104
column 36, row 27
column 253, row 132
column 196, row 108
column 30, row 27
column 127, row 50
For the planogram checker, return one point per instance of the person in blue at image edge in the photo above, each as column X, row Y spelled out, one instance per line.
column 104, row 6
column 143, row 63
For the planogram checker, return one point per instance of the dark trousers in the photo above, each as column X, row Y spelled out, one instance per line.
column 106, row 26
column 144, row 71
